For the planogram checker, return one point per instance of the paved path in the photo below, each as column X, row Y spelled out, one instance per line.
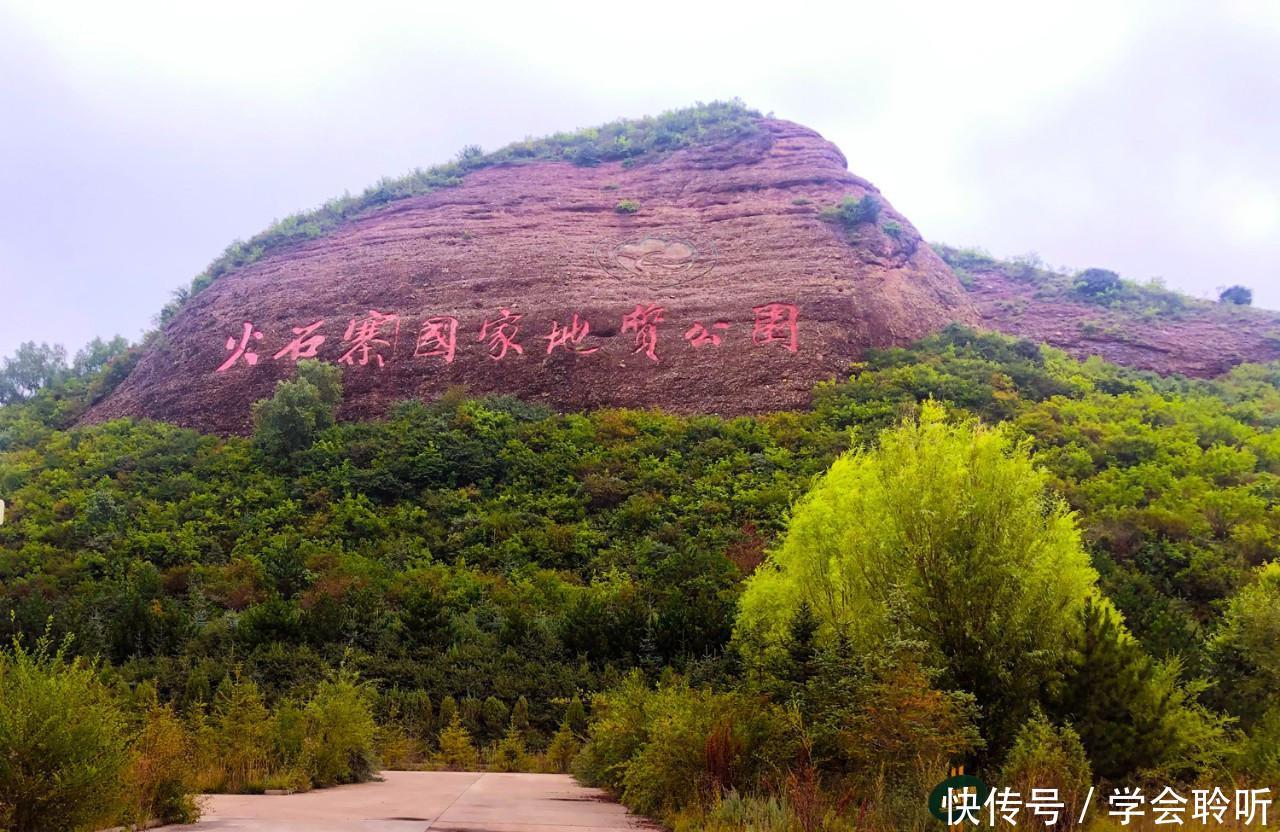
column 415, row 801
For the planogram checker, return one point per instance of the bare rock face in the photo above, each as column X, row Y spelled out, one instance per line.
column 722, row 292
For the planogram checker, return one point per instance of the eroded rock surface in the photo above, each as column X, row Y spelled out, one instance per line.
column 686, row 304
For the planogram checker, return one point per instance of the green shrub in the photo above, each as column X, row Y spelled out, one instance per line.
column 448, row 710
column 664, row 749
column 243, row 731
column 563, row 749
column 509, row 753
column 299, row 409
column 627, row 206
column 63, row 743
column 161, row 779
column 851, row 213
column 1097, row 283
column 893, row 228
column 1238, row 295
column 495, row 716
column 1045, row 756
column 340, row 732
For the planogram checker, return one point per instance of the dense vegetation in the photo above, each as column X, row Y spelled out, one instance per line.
column 460, row 583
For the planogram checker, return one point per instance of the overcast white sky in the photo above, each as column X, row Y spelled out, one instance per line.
column 138, row 139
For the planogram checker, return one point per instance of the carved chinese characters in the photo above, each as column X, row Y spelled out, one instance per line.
column 372, row 338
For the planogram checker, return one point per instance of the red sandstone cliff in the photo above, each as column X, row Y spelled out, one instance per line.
column 686, row 304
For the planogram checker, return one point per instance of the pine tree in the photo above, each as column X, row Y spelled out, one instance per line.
column 457, row 753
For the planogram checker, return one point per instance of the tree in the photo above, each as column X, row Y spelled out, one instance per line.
column 30, row 369
column 1094, row 283
column 97, row 354
column 563, row 748
column 1239, row 295
column 1246, row 648
column 298, row 411
column 495, row 716
column 63, row 747
column 1045, row 756
column 161, row 774
column 576, row 715
column 340, row 731
column 509, row 753
column 244, row 731
column 851, row 212
column 945, row 534
column 457, row 753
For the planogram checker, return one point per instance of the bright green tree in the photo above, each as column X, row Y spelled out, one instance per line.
column 243, row 726
column 944, row 533
column 1246, row 647
column 30, row 369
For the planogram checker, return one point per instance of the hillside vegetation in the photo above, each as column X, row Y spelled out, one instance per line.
column 486, row 582
column 629, row 141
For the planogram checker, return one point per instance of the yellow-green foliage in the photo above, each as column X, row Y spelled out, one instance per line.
column 339, row 731
column 243, row 726
column 161, row 779
column 457, row 753
column 661, row 749
column 63, row 743
column 509, row 753
column 563, row 748
column 945, row 531
column 1045, row 756
column 1246, row 647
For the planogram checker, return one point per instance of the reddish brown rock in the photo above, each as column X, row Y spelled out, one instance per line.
column 721, row 230
column 1201, row 340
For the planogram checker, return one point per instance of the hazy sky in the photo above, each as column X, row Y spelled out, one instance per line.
column 139, row 139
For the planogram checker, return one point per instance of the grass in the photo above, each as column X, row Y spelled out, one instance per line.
column 1150, row 300
column 630, row 141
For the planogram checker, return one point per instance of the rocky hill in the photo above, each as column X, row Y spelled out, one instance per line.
column 1136, row 325
column 709, row 260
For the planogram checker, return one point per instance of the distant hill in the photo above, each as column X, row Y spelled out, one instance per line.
column 1095, row 312
column 706, row 260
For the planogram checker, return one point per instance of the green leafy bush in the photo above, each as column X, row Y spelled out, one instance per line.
column 627, row 206
column 299, row 410
column 851, row 213
column 339, row 742
column 661, row 749
column 63, row 742
column 1044, row 756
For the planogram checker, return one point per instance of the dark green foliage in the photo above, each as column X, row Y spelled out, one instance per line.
column 851, row 213
column 299, row 410
column 489, row 550
column 627, row 206
column 495, row 716
column 1238, row 295
column 1095, row 283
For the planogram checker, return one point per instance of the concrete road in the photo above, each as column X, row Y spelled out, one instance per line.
column 415, row 801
